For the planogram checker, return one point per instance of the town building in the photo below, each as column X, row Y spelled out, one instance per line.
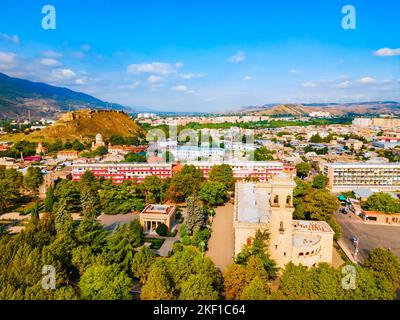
column 40, row 149
column 98, row 142
column 261, row 170
column 348, row 176
column 120, row 172
column 269, row 207
column 154, row 215
column 65, row 155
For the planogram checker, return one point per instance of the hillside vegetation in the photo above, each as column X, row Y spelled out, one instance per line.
column 85, row 124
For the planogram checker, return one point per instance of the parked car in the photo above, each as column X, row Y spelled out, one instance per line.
column 354, row 240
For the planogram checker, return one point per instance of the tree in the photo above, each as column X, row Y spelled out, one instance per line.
column 49, row 200
column 320, row 182
column 153, row 188
column 63, row 219
column 198, row 287
column 10, row 185
column 258, row 249
column 185, row 183
column 162, row 230
column 100, row 151
column 234, row 281
column 33, row 178
column 382, row 202
column 141, row 263
column 303, row 169
column 121, row 245
column 263, row 154
column 68, row 190
column 134, row 157
column 159, row 284
column 255, row 290
column 316, row 138
column 384, row 263
column 222, row 174
column 101, row 282
column 214, row 193
column 319, row 205
column 89, row 195
column 195, row 216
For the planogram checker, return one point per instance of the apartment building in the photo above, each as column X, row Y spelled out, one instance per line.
column 261, row 170
column 120, row 172
column 349, row 176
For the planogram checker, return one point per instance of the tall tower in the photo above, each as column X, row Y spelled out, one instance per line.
column 281, row 202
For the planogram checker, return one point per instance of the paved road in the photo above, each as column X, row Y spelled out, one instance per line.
column 110, row 222
column 370, row 236
column 220, row 245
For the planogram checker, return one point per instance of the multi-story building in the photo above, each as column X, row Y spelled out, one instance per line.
column 348, row 176
column 269, row 207
column 261, row 170
column 120, row 172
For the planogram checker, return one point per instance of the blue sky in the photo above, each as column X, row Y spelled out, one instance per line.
column 207, row 55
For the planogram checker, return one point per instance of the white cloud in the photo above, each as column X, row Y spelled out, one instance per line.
column 64, row 74
column 52, row 54
column 11, row 38
column 387, row 52
column 294, row 72
column 50, row 62
column 78, row 54
column 155, row 79
column 182, row 88
column 189, row 76
column 367, row 80
column 7, row 60
column 80, row 81
column 342, row 85
column 248, row 78
column 86, row 47
column 309, row 84
column 160, row 68
column 239, row 57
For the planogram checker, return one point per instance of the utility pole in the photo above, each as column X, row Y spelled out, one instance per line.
column 356, row 250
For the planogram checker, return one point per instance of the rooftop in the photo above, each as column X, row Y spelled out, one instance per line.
column 158, row 209
column 304, row 225
column 253, row 203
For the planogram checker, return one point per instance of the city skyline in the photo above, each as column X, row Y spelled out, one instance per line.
column 206, row 56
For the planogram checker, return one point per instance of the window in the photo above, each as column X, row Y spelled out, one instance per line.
column 276, row 199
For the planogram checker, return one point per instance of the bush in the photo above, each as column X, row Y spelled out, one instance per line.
column 186, row 240
column 162, row 230
column 182, row 230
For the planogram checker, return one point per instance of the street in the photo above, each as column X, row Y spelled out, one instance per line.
column 369, row 236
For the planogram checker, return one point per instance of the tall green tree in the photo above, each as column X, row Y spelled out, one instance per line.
column 198, row 287
column 255, row 290
column 49, row 200
column 185, row 183
column 10, row 186
column 101, row 282
column 303, row 169
column 223, row 174
column 141, row 263
column 159, row 285
column 63, row 218
column 33, row 178
column 195, row 214
column 214, row 193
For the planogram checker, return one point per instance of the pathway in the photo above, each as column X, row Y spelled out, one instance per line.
column 220, row 245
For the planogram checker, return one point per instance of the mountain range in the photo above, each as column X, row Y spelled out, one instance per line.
column 23, row 98
column 358, row 108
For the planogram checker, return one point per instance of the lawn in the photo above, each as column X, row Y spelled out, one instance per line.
column 155, row 242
